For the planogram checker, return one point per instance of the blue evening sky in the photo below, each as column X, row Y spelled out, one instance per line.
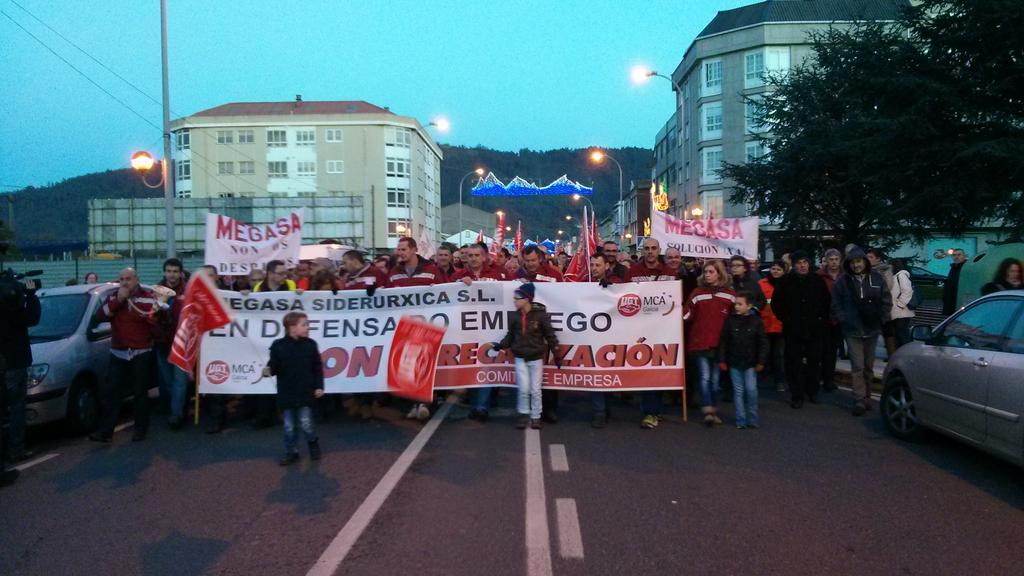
column 508, row 74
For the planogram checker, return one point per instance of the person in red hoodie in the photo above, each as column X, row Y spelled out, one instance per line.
column 360, row 274
column 477, row 269
column 707, row 310
column 651, row 268
column 133, row 312
column 535, row 268
column 412, row 270
column 773, row 326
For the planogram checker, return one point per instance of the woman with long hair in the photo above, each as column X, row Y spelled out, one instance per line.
column 902, row 291
column 1008, row 277
column 706, row 311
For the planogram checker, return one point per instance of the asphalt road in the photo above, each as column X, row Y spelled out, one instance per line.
column 812, row 491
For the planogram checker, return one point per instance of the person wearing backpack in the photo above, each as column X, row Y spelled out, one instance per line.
column 904, row 301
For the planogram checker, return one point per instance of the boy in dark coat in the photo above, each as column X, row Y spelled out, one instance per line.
column 743, row 351
column 295, row 360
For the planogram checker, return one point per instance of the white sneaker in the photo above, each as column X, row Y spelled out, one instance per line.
column 422, row 412
column 411, row 414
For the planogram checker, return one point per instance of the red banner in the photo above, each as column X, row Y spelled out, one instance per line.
column 412, row 360
column 203, row 311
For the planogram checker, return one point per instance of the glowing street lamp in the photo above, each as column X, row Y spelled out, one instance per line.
column 598, row 157
column 142, row 160
column 442, row 124
column 480, row 173
column 568, row 218
column 697, row 212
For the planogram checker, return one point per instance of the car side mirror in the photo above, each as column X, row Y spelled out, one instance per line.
column 101, row 330
column 921, row 333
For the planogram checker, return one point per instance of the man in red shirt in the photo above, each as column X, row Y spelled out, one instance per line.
column 410, row 269
column 599, row 274
column 535, row 268
column 476, row 267
column 650, row 268
column 610, row 249
column 360, row 274
column 133, row 312
column 444, row 260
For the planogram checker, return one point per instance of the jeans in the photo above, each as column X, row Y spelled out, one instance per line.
column 708, row 370
column 135, row 375
column 15, row 387
column 744, row 389
column 862, row 365
column 529, row 376
column 305, row 421
column 650, row 403
column 482, row 399
column 599, row 403
column 173, row 384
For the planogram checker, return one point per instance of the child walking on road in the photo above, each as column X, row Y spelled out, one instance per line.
column 295, row 360
column 743, row 351
column 530, row 337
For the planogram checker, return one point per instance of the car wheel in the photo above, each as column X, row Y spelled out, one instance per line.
column 898, row 411
column 83, row 407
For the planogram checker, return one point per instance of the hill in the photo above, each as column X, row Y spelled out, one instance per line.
column 54, row 218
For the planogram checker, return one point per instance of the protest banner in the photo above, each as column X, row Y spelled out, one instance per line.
column 236, row 247
column 413, row 358
column 710, row 238
column 624, row 337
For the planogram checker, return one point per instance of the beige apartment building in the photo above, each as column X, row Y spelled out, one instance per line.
column 313, row 149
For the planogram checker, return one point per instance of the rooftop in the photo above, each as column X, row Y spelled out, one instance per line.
column 297, row 106
column 803, row 11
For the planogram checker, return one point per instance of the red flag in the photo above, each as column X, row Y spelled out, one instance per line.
column 595, row 238
column 499, row 234
column 480, row 236
column 203, row 311
column 519, row 237
column 412, row 360
column 578, row 269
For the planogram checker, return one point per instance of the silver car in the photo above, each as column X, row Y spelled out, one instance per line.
column 70, row 353
column 964, row 379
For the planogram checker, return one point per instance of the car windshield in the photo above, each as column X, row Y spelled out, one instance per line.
column 60, row 316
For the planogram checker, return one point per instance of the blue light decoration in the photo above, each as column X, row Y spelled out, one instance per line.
column 491, row 186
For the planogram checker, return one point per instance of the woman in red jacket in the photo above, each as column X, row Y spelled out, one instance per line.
column 773, row 326
column 706, row 311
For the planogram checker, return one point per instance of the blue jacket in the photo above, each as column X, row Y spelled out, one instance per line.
column 862, row 303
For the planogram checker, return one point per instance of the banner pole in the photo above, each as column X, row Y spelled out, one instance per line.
column 685, row 419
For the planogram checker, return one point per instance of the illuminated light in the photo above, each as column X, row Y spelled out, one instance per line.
column 492, row 186
column 640, row 74
column 479, row 171
column 442, row 124
column 597, row 156
column 142, row 160
column 697, row 212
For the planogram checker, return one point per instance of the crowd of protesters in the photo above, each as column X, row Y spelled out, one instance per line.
column 784, row 331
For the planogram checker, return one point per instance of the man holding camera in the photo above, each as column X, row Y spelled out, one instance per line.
column 19, row 310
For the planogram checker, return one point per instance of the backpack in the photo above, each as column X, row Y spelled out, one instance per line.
column 915, row 299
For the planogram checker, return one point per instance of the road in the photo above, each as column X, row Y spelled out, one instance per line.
column 812, row 491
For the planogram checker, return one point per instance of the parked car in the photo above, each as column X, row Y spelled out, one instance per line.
column 964, row 379
column 70, row 351
column 923, row 277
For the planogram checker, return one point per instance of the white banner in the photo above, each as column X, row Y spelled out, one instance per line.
column 624, row 337
column 712, row 238
column 236, row 247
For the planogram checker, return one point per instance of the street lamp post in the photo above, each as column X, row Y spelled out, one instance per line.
column 478, row 172
column 578, row 197
column 597, row 156
column 166, row 167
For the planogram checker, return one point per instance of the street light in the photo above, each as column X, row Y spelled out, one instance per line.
column 478, row 172
column 568, row 218
column 697, row 212
column 442, row 124
column 143, row 162
column 640, row 75
column 597, row 157
column 577, row 197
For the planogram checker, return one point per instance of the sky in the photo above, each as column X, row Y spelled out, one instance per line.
column 507, row 74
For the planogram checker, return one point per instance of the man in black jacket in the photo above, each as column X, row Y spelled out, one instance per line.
column 802, row 302
column 19, row 310
column 952, row 286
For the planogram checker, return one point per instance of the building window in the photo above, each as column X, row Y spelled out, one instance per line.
column 307, row 168
column 754, row 69
column 398, row 198
column 711, row 78
column 711, row 165
column 776, row 60
column 711, row 121
column 401, row 137
column 398, row 227
column 225, row 137
column 398, row 168
column 687, row 170
column 246, row 167
column 183, row 194
column 277, row 169
column 751, row 112
column 305, row 137
column 334, row 135
column 246, row 137
column 755, row 151
column 184, row 140
column 714, row 206
column 276, row 138
column 184, row 169
column 227, row 195
column 335, row 166
column 225, row 167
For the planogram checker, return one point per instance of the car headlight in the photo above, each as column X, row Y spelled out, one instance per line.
column 36, row 374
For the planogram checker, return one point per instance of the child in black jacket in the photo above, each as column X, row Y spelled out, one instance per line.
column 295, row 360
column 743, row 351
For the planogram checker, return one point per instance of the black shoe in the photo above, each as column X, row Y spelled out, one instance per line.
column 261, row 424
column 796, row 403
column 482, row 416
column 550, row 417
column 138, row 436
column 474, row 414
column 858, row 409
column 97, row 437
column 599, row 421
column 536, row 424
column 23, row 456
column 176, row 423
column 290, row 458
column 314, row 450
column 830, row 388
column 813, row 398
column 522, row 421
column 215, row 429
column 8, row 477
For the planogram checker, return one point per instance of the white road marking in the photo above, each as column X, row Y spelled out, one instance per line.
column 538, row 538
column 342, row 544
column 559, row 461
column 124, row 426
column 570, row 540
column 40, row 460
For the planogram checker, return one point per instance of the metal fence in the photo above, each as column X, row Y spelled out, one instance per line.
column 59, row 272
